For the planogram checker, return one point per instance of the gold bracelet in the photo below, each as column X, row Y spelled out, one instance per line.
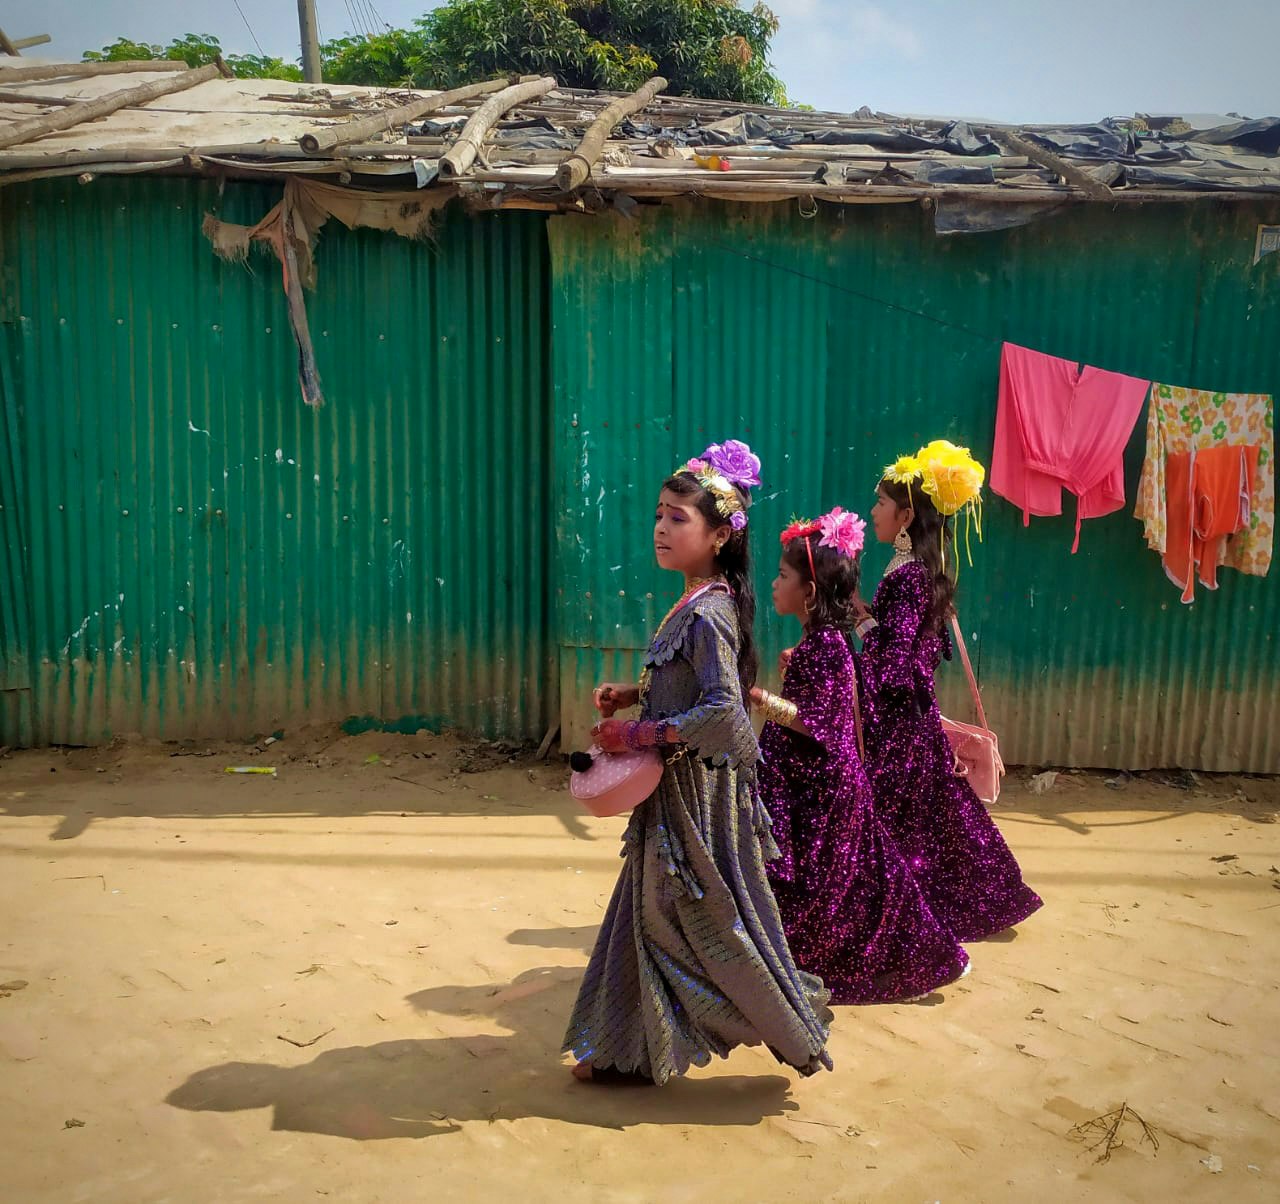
column 778, row 710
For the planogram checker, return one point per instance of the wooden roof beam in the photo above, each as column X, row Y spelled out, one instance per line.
column 576, row 169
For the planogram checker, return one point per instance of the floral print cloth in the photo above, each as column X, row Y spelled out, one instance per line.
column 1185, row 420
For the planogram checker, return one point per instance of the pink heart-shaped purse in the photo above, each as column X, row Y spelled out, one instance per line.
column 612, row 783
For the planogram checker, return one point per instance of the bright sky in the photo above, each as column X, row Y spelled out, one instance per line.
column 1005, row 60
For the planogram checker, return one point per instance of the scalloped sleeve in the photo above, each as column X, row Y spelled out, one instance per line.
column 716, row 727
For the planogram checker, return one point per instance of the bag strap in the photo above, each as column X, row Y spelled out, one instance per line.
column 968, row 670
column 857, row 717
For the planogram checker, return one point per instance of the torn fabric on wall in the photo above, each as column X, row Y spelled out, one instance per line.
column 291, row 229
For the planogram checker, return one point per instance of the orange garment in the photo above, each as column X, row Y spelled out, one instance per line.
column 1210, row 497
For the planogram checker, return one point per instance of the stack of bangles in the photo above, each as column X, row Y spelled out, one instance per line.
column 866, row 625
column 778, row 710
column 645, row 733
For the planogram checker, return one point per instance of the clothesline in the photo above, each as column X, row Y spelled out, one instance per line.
column 1095, row 467
column 995, row 340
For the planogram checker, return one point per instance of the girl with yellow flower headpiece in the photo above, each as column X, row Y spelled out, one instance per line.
column 966, row 871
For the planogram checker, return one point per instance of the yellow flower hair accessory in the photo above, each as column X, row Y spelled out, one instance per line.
column 905, row 470
column 952, row 477
column 953, row 480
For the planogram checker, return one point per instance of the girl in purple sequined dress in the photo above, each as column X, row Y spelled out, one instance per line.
column 853, row 913
column 967, row 873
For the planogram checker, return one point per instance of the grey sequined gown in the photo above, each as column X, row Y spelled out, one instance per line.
column 691, row 959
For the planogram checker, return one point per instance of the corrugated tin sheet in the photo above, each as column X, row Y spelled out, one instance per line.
column 206, row 556
column 191, row 551
column 837, row 342
column 648, row 371
column 16, row 718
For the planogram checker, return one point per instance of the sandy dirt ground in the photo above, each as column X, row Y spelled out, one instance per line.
column 350, row 982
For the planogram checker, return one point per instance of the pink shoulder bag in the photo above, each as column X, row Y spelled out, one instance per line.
column 976, row 749
column 614, row 783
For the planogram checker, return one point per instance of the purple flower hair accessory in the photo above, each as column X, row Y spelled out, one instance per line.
column 735, row 461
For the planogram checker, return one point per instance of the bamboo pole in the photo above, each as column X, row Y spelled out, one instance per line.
column 576, row 169
column 103, row 169
column 26, row 43
column 90, row 110
column 25, row 98
column 6, row 44
column 253, row 150
column 9, row 75
column 464, row 151
column 392, row 119
column 1089, row 185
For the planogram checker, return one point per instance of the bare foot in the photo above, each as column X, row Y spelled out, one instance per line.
column 610, row 1076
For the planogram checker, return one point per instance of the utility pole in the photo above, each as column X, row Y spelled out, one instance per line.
column 310, row 41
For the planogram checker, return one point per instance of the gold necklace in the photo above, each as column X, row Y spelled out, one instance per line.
column 692, row 588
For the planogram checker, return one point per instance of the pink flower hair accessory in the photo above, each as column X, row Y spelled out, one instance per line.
column 843, row 530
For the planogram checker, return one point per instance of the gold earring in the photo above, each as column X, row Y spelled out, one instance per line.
column 902, row 543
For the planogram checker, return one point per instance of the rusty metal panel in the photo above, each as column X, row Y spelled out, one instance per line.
column 209, row 557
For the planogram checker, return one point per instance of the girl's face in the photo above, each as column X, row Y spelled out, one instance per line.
column 888, row 518
column 683, row 541
column 792, row 594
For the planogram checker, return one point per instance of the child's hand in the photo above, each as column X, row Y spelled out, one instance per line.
column 784, row 660
column 756, row 694
column 607, row 736
column 613, row 696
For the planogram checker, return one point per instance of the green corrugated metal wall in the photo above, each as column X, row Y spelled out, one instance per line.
column 471, row 510
column 200, row 553
column 805, row 336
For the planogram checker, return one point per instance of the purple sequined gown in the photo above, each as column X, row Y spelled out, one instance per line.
column 954, row 848
column 854, row 914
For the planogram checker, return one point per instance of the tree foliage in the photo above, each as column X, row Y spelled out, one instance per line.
column 709, row 48
column 703, row 47
column 196, row 50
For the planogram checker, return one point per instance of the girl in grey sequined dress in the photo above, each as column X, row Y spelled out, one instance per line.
column 691, row 959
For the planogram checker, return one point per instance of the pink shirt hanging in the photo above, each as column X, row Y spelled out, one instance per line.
column 1060, row 426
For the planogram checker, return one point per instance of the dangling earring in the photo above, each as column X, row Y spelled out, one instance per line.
column 902, row 543
column 719, row 548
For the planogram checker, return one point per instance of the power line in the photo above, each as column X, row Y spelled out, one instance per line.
column 357, row 27
column 373, row 17
column 249, row 27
